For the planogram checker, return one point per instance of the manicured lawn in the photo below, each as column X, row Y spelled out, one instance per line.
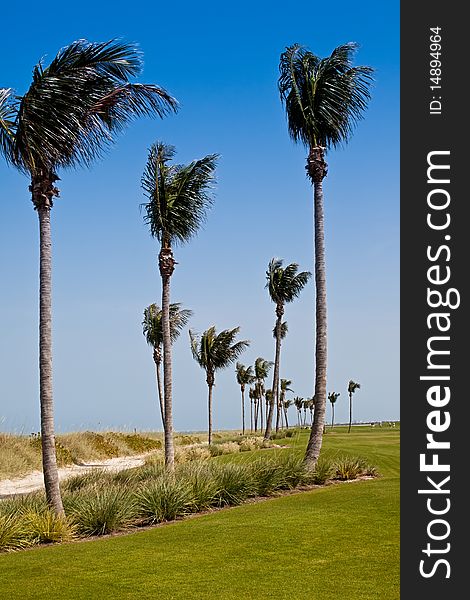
column 340, row 541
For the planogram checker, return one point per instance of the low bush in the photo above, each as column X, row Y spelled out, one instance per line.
column 347, row 468
column 164, row 499
column 13, row 534
column 234, row 483
column 96, row 511
column 224, row 448
column 46, row 527
column 187, row 454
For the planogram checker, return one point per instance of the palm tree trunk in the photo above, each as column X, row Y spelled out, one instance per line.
column 275, row 400
column 243, row 411
column 333, row 416
column 251, row 415
column 318, row 170
column 167, row 265
column 350, row 411
column 261, row 413
column 209, row 437
column 287, row 422
column 49, row 460
column 160, row 392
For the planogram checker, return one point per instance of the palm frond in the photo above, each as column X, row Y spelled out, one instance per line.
column 214, row 351
column 152, row 323
column 8, row 110
column 324, row 98
column 285, row 284
column 179, row 195
column 75, row 106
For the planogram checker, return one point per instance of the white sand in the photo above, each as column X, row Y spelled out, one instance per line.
column 34, row 481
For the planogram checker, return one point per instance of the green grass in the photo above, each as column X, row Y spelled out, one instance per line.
column 340, row 541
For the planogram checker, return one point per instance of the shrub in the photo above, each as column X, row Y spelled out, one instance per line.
column 224, row 448
column 269, row 476
column 12, row 534
column 204, row 489
column 323, row 471
column 251, row 443
column 186, row 440
column 164, row 499
column 88, row 479
column 347, row 468
column 47, row 527
column 99, row 511
column 185, row 454
column 234, row 483
column 34, row 502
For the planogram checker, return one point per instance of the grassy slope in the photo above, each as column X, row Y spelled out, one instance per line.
column 335, row 542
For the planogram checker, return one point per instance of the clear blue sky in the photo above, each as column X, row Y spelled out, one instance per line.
column 220, row 60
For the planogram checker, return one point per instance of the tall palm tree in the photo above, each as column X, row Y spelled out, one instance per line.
column 262, row 368
column 284, row 284
column 286, row 405
column 245, row 376
column 332, row 397
column 213, row 351
column 71, row 112
column 299, row 403
column 153, row 332
column 252, row 396
column 178, row 202
column 352, row 387
column 285, row 383
column 323, row 98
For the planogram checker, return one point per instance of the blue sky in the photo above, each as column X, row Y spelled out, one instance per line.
column 221, row 62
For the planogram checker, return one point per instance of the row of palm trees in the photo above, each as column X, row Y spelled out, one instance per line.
column 71, row 114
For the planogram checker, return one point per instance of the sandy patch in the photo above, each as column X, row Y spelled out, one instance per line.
column 34, row 481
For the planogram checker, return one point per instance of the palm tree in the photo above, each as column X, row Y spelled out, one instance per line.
column 178, row 202
column 152, row 330
column 283, row 285
column 245, row 377
column 71, row 112
column 285, row 383
column 332, row 397
column 252, row 396
column 324, row 98
column 299, row 403
column 262, row 368
column 286, row 404
column 213, row 352
column 352, row 387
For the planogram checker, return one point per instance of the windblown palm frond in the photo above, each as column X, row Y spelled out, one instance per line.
column 324, row 98
column 285, row 284
column 214, row 351
column 152, row 323
column 262, row 368
column 179, row 195
column 245, row 375
column 8, row 110
column 353, row 386
column 74, row 107
column 333, row 396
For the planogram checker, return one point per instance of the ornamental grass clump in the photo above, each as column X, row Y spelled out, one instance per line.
column 324, row 470
column 235, row 483
column 187, row 454
column 269, row 476
column 164, row 499
column 46, row 527
column 347, row 468
column 92, row 478
column 203, row 484
column 98, row 511
column 13, row 534
column 224, row 448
